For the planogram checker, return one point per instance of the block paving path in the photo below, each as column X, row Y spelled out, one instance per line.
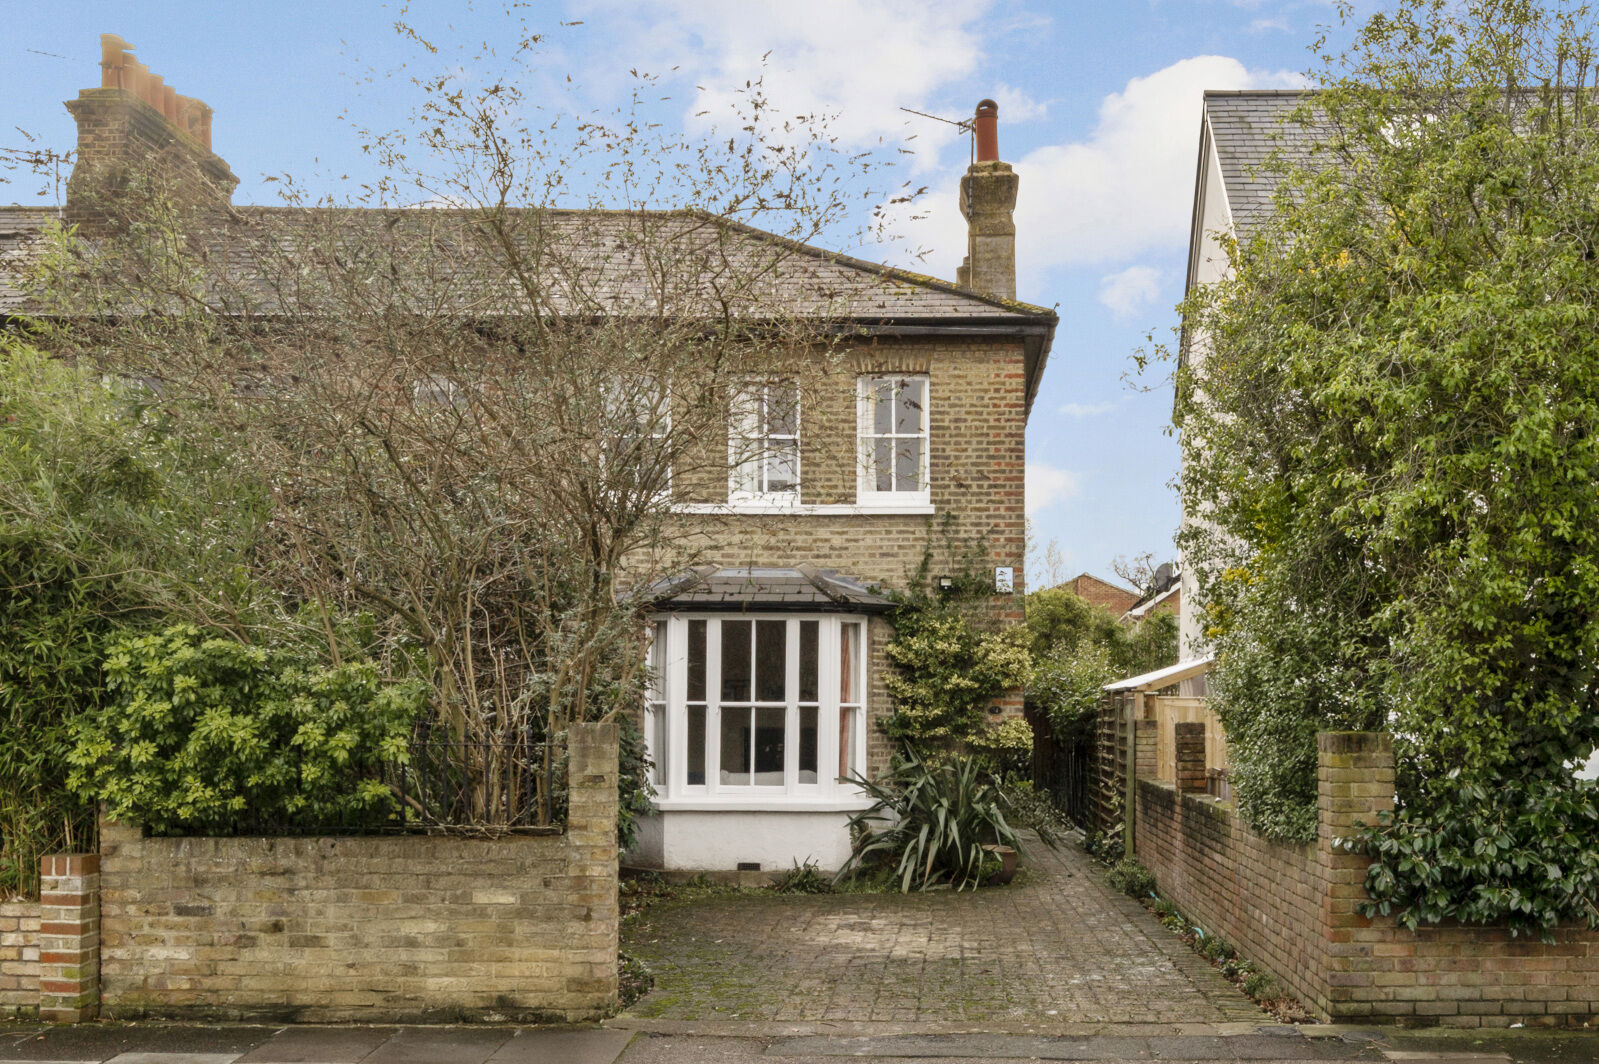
column 1056, row 951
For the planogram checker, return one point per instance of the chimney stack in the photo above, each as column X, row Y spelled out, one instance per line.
column 134, row 123
column 988, row 202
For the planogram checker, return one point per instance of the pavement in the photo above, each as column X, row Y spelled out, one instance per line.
column 152, row 1043
column 1058, row 952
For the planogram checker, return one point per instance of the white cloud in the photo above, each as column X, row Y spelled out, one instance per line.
column 1129, row 186
column 1017, row 105
column 861, row 62
column 1130, row 292
column 1086, row 409
column 1261, row 25
column 1048, row 485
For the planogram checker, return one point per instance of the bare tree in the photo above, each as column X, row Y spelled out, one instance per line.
column 473, row 420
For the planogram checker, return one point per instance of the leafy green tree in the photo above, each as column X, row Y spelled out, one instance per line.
column 106, row 522
column 1079, row 647
column 1390, row 415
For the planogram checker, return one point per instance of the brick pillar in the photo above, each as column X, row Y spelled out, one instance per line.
column 592, row 862
column 1190, row 748
column 69, row 938
column 1355, row 780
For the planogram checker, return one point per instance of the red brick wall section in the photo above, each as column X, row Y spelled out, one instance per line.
column 381, row 929
column 19, row 958
column 69, row 937
column 1292, row 909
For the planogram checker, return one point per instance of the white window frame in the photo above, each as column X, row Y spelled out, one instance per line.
column 657, row 428
column 829, row 791
column 745, row 430
column 866, row 437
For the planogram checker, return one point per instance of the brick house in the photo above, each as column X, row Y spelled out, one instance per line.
column 770, row 660
column 1113, row 597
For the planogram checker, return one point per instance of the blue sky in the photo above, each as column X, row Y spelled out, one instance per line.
column 1099, row 114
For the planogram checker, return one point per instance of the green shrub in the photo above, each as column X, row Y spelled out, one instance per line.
column 633, row 787
column 804, row 879
column 930, row 823
column 1131, row 878
column 209, row 736
column 946, row 674
column 1033, row 809
column 1260, row 986
column 1214, row 948
column 1008, row 747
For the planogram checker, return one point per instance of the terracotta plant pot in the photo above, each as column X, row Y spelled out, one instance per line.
column 1007, row 861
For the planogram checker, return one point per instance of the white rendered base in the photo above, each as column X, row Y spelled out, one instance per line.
column 714, row 840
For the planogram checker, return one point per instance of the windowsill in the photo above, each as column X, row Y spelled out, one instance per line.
column 813, row 509
column 763, row 803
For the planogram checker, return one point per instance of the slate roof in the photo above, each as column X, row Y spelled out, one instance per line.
column 1246, row 127
column 799, row 589
column 602, row 265
column 19, row 231
column 812, row 281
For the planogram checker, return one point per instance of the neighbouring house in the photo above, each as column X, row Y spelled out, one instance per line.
column 1239, row 131
column 1164, row 595
column 769, row 660
column 1096, row 592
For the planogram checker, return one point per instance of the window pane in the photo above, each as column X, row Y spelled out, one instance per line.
column 771, row 660
column 810, row 661
column 782, row 466
column 883, row 463
column 782, row 408
column 808, row 716
column 846, row 741
column 769, row 728
column 696, row 746
column 908, row 465
column 909, row 404
column 735, row 661
column 736, row 747
column 882, row 394
column 696, row 661
column 657, row 737
column 849, row 657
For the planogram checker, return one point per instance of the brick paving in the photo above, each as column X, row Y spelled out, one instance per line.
column 1058, row 950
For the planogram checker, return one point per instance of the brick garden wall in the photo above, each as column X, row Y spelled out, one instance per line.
column 407, row 928
column 19, row 958
column 1292, row 909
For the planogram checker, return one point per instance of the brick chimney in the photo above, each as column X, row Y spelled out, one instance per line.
column 988, row 200
column 132, row 123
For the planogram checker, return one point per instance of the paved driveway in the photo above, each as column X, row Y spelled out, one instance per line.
column 1057, row 952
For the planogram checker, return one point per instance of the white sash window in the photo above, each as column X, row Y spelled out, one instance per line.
column 757, row 707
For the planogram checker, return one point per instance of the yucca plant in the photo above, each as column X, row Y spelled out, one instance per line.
column 934, row 821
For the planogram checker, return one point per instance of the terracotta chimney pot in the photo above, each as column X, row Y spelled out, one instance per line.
column 112, row 60
column 986, row 127
column 169, row 103
column 153, row 89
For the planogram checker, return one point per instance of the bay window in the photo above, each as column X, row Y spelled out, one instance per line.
column 753, row 707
